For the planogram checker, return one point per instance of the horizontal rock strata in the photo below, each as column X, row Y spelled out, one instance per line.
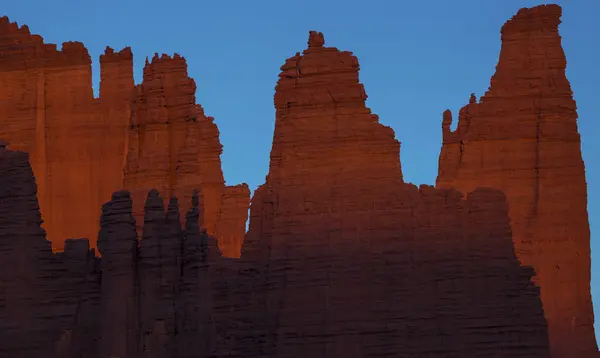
column 174, row 148
column 521, row 138
column 343, row 259
column 76, row 142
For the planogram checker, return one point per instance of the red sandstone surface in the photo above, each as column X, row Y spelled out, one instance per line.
column 76, row 142
column 521, row 137
column 79, row 144
column 174, row 148
column 342, row 259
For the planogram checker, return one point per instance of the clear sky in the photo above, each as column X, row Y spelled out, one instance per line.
column 417, row 59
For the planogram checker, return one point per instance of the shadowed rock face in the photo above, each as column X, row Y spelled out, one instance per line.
column 76, row 142
column 342, row 259
column 522, row 138
column 359, row 264
column 175, row 148
column 151, row 300
column 444, row 279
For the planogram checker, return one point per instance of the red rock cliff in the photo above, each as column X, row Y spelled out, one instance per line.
column 76, row 142
column 522, row 138
column 175, row 148
column 335, row 229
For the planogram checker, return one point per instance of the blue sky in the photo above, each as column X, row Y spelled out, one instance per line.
column 417, row 59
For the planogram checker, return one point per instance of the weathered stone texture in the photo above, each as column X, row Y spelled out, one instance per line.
column 76, row 143
column 522, row 138
column 146, row 301
column 343, row 259
column 175, row 148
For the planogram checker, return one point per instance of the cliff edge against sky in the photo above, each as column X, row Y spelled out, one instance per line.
column 342, row 257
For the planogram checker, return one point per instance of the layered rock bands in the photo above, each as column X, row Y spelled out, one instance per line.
column 83, row 148
column 521, row 137
column 342, row 257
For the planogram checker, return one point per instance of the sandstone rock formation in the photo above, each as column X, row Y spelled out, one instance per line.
column 75, row 141
column 522, row 138
column 78, row 144
column 342, row 258
column 146, row 301
column 359, row 264
column 175, row 148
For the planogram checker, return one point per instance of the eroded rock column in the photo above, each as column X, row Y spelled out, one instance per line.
column 521, row 137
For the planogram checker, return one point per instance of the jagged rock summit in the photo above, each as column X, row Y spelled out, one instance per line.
column 342, row 257
column 82, row 148
column 174, row 147
column 335, row 214
column 521, row 138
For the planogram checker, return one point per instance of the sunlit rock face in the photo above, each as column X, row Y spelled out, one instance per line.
column 76, row 142
column 521, row 138
column 174, row 147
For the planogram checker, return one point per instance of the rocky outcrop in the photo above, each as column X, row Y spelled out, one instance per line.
column 342, row 258
column 76, row 143
column 357, row 263
column 26, row 258
column 142, row 301
column 521, row 137
column 175, row 148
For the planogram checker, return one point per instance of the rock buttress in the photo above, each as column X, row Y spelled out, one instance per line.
column 76, row 143
column 343, row 259
column 175, row 148
column 522, row 138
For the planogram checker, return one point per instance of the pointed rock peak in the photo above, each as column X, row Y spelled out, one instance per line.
column 315, row 39
column 8, row 27
column 447, row 118
column 154, row 200
column 472, row 99
column 173, row 209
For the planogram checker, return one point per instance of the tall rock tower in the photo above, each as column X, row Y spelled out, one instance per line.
column 344, row 259
column 174, row 148
column 522, row 138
